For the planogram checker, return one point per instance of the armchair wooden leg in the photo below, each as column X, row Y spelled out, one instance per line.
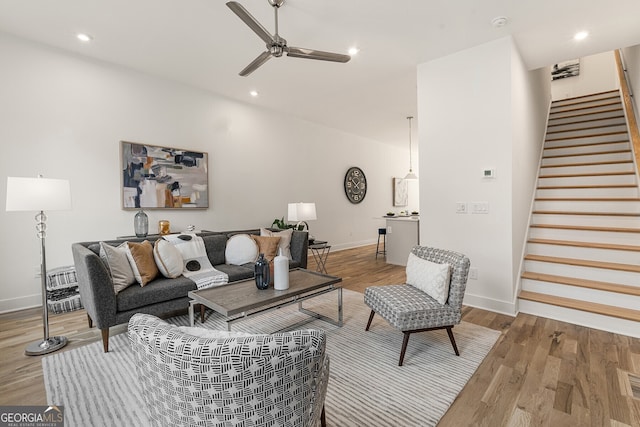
column 405, row 341
column 453, row 340
column 90, row 321
column 370, row 319
column 105, row 339
column 323, row 419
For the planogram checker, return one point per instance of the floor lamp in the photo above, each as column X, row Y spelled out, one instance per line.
column 39, row 195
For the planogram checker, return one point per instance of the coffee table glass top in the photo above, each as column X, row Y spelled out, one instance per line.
column 239, row 297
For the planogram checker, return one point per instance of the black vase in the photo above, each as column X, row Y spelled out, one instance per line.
column 262, row 273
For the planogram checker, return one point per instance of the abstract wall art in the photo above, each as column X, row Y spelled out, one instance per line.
column 562, row 70
column 400, row 192
column 156, row 177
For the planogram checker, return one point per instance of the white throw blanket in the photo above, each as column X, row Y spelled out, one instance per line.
column 196, row 264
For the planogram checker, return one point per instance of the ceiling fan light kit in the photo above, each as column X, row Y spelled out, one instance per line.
column 276, row 45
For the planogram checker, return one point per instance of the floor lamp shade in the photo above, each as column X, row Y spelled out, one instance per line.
column 38, row 194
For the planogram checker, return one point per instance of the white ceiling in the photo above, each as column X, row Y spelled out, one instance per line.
column 203, row 44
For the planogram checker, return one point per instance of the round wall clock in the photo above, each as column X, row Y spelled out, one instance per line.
column 355, row 185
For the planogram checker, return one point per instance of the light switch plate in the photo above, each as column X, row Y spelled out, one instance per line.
column 461, row 207
column 479, row 207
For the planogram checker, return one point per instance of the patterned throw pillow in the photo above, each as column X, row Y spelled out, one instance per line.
column 118, row 265
column 240, row 250
column 430, row 277
column 140, row 257
column 168, row 259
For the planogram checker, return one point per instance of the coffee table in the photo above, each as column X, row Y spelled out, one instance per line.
column 239, row 300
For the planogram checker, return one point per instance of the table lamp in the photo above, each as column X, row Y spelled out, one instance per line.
column 301, row 212
column 39, row 195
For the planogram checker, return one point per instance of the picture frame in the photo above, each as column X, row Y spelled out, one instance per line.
column 563, row 70
column 157, row 177
column 400, row 192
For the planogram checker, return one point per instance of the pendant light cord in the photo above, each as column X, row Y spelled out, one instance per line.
column 410, row 158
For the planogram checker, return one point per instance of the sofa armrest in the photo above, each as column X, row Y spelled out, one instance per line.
column 95, row 285
column 300, row 247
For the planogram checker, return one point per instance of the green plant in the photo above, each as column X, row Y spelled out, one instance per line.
column 281, row 224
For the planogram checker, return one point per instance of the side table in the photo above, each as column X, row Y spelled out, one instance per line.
column 320, row 251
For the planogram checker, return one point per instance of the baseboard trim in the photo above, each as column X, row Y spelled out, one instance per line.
column 351, row 245
column 20, row 303
column 503, row 307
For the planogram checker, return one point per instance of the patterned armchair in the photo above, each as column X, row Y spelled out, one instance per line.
column 410, row 310
column 194, row 376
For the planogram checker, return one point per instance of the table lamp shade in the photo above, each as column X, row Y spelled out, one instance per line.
column 38, row 194
column 301, row 212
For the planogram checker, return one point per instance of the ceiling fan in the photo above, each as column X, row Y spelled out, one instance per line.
column 276, row 45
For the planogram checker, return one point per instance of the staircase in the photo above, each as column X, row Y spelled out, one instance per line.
column 582, row 263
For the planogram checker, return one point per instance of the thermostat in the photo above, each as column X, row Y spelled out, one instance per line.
column 488, row 173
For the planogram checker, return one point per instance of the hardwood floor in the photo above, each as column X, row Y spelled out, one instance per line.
column 541, row 372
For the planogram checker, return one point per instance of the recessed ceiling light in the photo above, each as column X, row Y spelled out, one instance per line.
column 253, row 93
column 499, row 21
column 84, row 37
column 581, row 35
column 353, row 51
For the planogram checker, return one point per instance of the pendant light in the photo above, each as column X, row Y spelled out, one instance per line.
column 410, row 175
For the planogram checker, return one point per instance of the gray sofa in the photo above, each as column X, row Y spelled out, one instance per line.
column 105, row 308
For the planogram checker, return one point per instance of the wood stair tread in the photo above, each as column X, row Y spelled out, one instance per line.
column 609, row 162
column 598, row 186
column 588, row 199
column 591, row 307
column 593, row 135
column 595, row 144
column 621, row 116
column 599, row 153
column 590, row 95
column 584, row 263
column 587, row 228
column 585, row 114
column 583, row 283
column 586, row 213
column 593, row 245
column 588, row 107
column 573, row 175
column 585, row 128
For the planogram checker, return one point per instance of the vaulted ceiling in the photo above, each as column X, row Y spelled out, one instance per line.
column 203, row 44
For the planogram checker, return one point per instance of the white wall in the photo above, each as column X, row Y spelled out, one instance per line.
column 597, row 74
column 467, row 106
column 63, row 116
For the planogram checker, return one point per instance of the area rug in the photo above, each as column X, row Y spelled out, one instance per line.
column 366, row 387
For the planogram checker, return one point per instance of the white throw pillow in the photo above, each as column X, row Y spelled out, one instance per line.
column 168, row 259
column 430, row 277
column 118, row 264
column 285, row 240
column 240, row 250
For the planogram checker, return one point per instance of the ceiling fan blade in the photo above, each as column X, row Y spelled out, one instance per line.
column 246, row 17
column 299, row 52
column 261, row 59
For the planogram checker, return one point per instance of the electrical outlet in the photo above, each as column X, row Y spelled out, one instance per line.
column 461, row 207
column 473, row 273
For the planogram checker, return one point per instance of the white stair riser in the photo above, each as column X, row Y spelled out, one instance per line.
column 583, row 104
column 620, row 238
column 604, row 108
column 588, row 273
column 554, row 142
column 595, row 97
column 627, row 166
column 576, row 317
column 569, row 206
column 553, row 134
column 591, row 149
column 589, row 192
column 591, row 158
column 615, row 120
column 591, row 254
column 588, row 180
column 587, row 117
column 583, row 294
column 588, row 220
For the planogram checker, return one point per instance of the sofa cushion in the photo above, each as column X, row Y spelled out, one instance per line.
column 115, row 258
column 241, row 249
column 156, row 291
column 215, row 246
column 285, row 239
column 237, row 272
column 168, row 259
column 142, row 263
column 267, row 246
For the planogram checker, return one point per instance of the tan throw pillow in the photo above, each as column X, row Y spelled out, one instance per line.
column 285, row 240
column 267, row 246
column 118, row 265
column 142, row 263
column 168, row 259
